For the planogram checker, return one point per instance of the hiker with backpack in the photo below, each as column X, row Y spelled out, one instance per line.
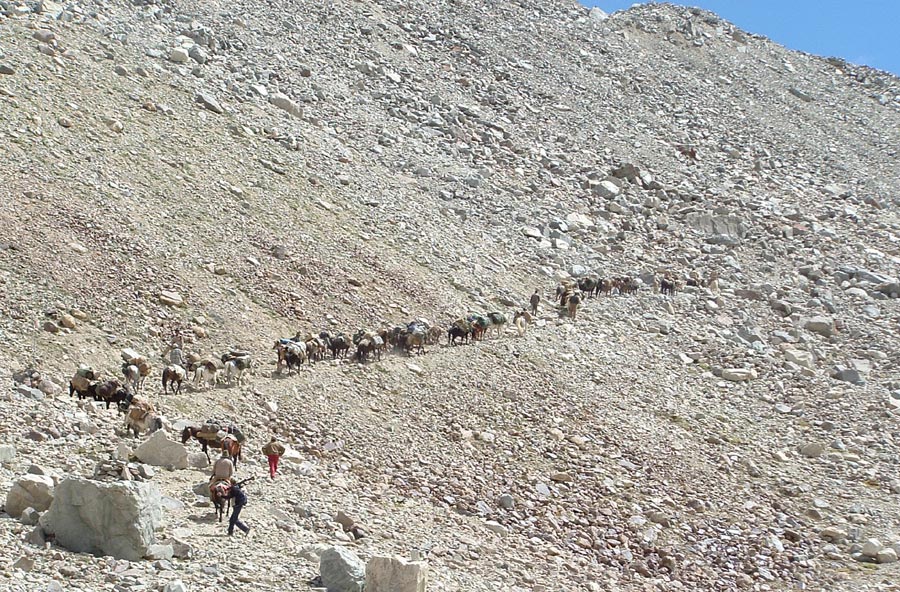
column 273, row 451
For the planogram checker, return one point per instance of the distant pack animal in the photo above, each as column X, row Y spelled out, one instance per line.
column 231, row 442
column 236, row 364
column 433, row 335
column 109, row 392
column 80, row 383
column 460, row 329
column 291, row 354
column 136, row 370
column 142, row 417
column 172, row 377
column 415, row 338
column 367, row 344
column 667, row 287
column 206, row 373
column 521, row 320
column 339, row 345
column 479, row 325
column 689, row 152
column 588, row 285
column 498, row 322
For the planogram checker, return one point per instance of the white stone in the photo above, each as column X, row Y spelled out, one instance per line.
column 176, row 586
column 7, row 453
column 179, row 55
column 197, row 460
column 496, row 527
column 606, row 189
column 342, row 570
column 283, row 102
column 157, row 552
column 580, row 219
column 872, row 547
column 802, row 358
column 171, row 298
column 822, row 325
column 159, row 451
column 813, row 450
column 117, row 519
column 886, row 555
column 30, row 491
column 393, row 574
column 123, row 451
column 738, row 374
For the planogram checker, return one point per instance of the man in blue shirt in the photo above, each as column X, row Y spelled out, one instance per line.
column 239, row 501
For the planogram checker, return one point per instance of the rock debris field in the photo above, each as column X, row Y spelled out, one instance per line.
column 240, row 172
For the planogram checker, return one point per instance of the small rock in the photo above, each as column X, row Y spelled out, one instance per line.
column 739, row 374
column 871, row 548
column 822, row 325
column 30, row 517
column 179, row 55
column 175, row 586
column 170, row 298
column 7, row 453
column 30, row 491
column 812, row 450
column 210, row 102
column 160, row 552
column 198, row 54
column 36, row 537
column 284, row 103
column 886, row 555
column 24, row 563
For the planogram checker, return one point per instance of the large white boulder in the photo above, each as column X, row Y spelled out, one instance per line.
column 159, row 451
column 393, row 574
column 117, row 518
column 342, row 570
column 30, row 491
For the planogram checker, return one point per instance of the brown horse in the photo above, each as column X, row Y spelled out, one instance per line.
column 231, row 445
column 218, row 492
column 172, row 377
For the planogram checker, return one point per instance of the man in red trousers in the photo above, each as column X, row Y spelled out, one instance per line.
column 273, row 451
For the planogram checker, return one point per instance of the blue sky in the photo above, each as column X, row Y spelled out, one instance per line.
column 860, row 31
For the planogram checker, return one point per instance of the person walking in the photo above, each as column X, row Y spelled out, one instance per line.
column 535, row 300
column 239, row 500
column 273, row 451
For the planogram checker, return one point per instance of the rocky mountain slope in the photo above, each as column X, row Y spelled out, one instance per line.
column 271, row 168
